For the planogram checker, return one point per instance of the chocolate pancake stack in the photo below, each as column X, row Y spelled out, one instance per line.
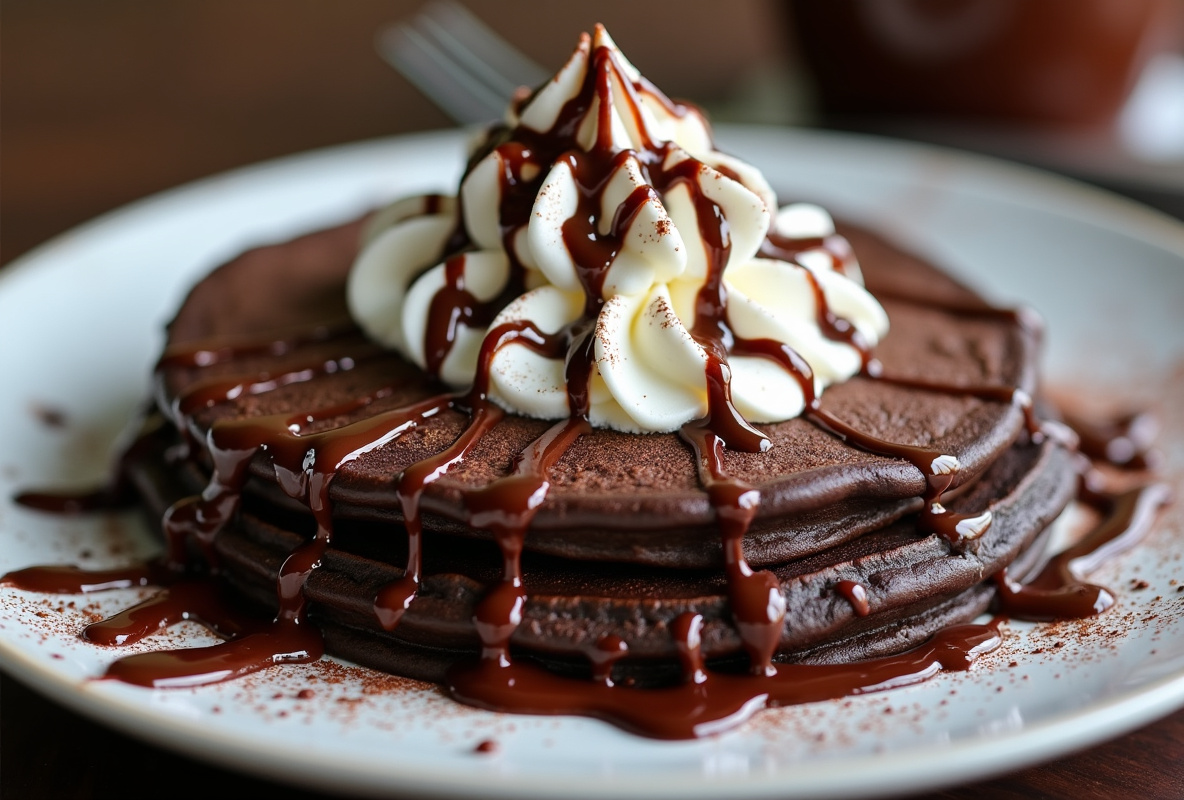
column 441, row 453
column 302, row 448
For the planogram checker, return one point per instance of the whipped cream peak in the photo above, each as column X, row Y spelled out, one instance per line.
column 623, row 112
column 614, row 265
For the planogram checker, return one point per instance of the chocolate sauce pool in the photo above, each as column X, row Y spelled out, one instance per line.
column 305, row 463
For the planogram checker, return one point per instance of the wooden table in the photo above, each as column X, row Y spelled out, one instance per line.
column 105, row 103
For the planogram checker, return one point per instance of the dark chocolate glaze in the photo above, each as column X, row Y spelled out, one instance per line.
column 856, row 595
column 707, row 702
column 607, row 651
column 102, row 499
column 75, row 580
column 1058, row 592
column 1126, row 441
column 197, row 666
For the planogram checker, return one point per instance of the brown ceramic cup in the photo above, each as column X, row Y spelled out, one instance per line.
column 1047, row 61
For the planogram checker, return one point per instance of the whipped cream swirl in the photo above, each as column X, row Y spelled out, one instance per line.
column 627, row 255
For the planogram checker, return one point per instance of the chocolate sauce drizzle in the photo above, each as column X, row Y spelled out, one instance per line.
column 708, row 701
column 1126, row 441
column 105, row 498
column 856, row 595
column 306, row 451
column 1058, row 592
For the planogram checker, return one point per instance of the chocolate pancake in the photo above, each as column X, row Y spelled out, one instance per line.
column 627, row 539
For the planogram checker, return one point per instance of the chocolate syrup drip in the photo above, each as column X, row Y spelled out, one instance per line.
column 198, row 666
column 207, row 354
column 393, row 600
column 756, row 600
column 780, row 247
column 1126, row 441
column 75, row 580
column 577, row 371
column 208, row 393
column 1037, row 429
column 608, row 650
column 710, row 329
column 687, row 630
column 937, row 467
column 454, row 306
column 856, row 595
column 197, row 600
column 304, row 466
column 832, row 326
column 106, row 498
column 254, row 644
column 506, row 508
column 710, row 702
column 1057, row 592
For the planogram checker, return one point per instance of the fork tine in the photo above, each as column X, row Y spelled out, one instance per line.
column 444, row 81
column 511, row 65
column 455, row 59
column 464, row 57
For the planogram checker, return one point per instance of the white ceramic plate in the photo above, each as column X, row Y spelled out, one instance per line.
column 81, row 320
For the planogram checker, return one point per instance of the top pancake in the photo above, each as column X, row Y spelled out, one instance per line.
column 615, row 496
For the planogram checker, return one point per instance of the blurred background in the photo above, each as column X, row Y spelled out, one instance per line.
column 104, row 103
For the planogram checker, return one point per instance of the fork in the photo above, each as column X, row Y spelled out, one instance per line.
column 457, row 61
